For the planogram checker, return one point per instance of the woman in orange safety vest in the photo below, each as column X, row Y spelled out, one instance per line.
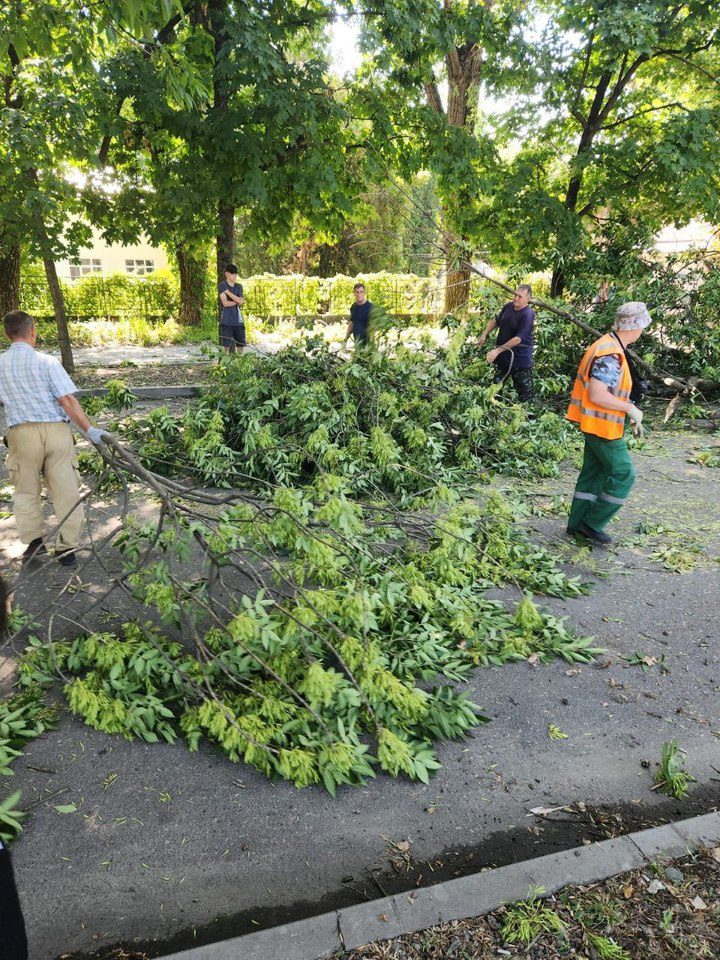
column 600, row 404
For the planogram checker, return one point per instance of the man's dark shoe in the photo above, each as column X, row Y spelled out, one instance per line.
column 34, row 549
column 588, row 533
column 67, row 558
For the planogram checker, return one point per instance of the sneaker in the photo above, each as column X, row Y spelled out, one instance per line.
column 34, row 549
column 66, row 558
column 589, row 533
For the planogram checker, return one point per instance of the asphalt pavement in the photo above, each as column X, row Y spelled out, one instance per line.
column 182, row 848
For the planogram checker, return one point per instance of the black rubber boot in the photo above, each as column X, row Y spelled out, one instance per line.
column 596, row 536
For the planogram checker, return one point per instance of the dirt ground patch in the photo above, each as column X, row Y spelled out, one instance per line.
column 158, row 375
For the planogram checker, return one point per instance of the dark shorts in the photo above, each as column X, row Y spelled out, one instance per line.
column 232, row 335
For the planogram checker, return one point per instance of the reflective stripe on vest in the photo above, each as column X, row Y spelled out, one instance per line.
column 591, row 417
column 598, row 412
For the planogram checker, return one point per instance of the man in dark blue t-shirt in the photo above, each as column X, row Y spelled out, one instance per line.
column 513, row 355
column 230, row 297
column 359, row 316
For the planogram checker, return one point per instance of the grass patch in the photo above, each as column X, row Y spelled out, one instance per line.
column 529, row 920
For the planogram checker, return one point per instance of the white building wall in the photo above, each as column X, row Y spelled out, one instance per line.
column 103, row 258
column 695, row 235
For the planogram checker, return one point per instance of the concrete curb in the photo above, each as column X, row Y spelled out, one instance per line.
column 471, row 896
column 148, row 393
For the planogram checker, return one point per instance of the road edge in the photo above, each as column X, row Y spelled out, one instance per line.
column 470, row 896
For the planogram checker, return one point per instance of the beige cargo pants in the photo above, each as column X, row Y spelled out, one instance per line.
column 45, row 450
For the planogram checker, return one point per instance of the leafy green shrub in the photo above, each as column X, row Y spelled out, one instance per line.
column 119, row 295
column 136, row 330
column 297, row 295
column 287, row 295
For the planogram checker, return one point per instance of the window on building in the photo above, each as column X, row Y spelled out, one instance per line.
column 139, row 267
column 84, row 267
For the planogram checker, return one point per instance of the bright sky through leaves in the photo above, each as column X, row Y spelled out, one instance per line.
column 344, row 51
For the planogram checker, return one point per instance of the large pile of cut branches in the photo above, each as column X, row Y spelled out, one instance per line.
column 309, row 636
column 398, row 422
column 314, row 622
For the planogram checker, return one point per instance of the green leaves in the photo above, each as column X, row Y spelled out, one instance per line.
column 356, row 605
column 672, row 777
column 319, row 686
column 10, row 817
column 319, row 623
column 394, row 753
column 23, row 717
column 400, row 423
column 302, row 686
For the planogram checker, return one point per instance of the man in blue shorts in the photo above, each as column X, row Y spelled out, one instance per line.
column 230, row 296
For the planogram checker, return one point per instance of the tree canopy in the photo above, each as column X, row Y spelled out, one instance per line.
column 557, row 135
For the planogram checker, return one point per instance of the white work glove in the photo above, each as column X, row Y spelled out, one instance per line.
column 95, row 435
column 636, row 415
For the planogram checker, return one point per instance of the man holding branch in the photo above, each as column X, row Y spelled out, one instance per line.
column 513, row 355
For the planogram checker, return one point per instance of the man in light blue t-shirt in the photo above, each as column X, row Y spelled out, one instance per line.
column 40, row 403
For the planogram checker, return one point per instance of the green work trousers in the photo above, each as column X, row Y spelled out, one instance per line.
column 605, row 481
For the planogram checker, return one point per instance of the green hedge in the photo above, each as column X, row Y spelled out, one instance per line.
column 117, row 296
column 156, row 296
column 294, row 295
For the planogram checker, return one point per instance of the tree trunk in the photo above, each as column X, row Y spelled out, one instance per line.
column 225, row 237
column 9, row 278
column 192, row 272
column 58, row 302
column 591, row 127
column 464, row 69
column 457, row 276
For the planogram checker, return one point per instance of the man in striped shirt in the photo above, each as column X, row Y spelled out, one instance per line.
column 39, row 401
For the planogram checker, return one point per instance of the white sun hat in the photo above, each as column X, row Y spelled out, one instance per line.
column 632, row 316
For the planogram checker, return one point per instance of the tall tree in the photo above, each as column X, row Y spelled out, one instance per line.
column 463, row 64
column 625, row 140
column 250, row 125
column 432, row 58
column 49, row 56
column 39, row 127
